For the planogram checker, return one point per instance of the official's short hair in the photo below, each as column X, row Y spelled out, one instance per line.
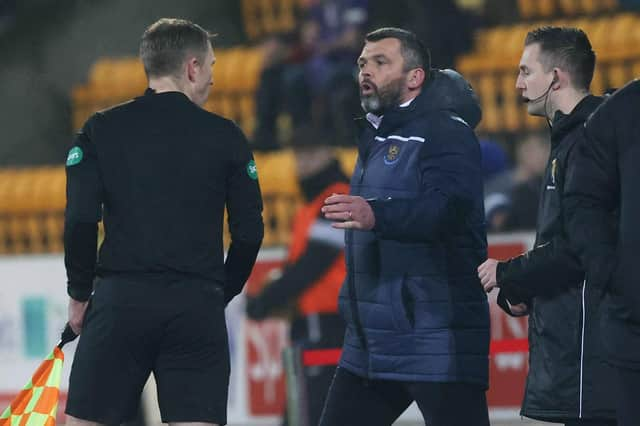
column 568, row 49
column 166, row 44
column 413, row 51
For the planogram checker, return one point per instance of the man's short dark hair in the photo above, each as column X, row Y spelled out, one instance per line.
column 568, row 49
column 166, row 44
column 413, row 51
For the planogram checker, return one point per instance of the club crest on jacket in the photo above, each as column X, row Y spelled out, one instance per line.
column 392, row 154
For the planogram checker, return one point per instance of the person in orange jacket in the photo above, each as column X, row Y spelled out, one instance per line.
column 313, row 272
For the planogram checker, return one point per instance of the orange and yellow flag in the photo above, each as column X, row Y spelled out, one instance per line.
column 37, row 403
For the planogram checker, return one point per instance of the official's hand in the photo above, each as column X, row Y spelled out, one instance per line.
column 519, row 310
column 76, row 314
column 487, row 274
column 349, row 212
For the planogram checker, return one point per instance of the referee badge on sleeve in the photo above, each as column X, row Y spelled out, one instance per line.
column 75, row 156
column 252, row 170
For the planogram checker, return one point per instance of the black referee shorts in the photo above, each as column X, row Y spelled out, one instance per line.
column 174, row 328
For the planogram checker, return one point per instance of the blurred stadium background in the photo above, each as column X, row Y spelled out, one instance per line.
column 61, row 60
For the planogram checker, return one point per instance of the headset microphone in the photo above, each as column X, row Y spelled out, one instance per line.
column 546, row 92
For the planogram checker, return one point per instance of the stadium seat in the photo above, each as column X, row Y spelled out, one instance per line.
column 618, row 75
column 247, row 110
column 546, row 8
column 590, row 6
column 4, row 237
column 569, row 7
column 511, row 110
column 635, row 69
column 487, row 91
column 54, row 227
column 527, row 8
column 598, row 84
column 262, row 17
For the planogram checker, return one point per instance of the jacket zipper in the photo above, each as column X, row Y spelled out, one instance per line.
column 352, row 286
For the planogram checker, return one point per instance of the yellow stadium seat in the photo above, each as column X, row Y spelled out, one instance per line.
column 226, row 70
column 569, row 7
column 511, row 110
column 287, row 19
column 35, row 234
column 226, row 104
column 495, row 40
column 618, row 75
column 487, row 89
column 598, row 83
column 621, row 30
column 635, row 69
column 250, row 18
column 54, row 226
column 515, row 41
column 247, row 113
column 251, row 70
column 56, row 189
column 277, row 172
column 7, row 179
column 546, row 8
column 527, row 8
column 4, row 236
column 17, row 235
column 532, row 122
column 347, row 158
column 269, row 16
column 262, row 17
column 589, row 7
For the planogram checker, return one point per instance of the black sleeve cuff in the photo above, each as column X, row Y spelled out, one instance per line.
column 508, row 289
column 79, row 293
column 240, row 260
column 378, row 214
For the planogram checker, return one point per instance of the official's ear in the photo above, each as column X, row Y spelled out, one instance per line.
column 192, row 68
column 415, row 78
column 559, row 79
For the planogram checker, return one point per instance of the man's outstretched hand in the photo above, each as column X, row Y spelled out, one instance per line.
column 349, row 212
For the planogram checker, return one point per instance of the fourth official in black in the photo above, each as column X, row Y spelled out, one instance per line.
column 568, row 375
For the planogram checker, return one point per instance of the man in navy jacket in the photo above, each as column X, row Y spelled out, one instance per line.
column 417, row 318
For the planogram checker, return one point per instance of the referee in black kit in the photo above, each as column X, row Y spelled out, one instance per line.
column 159, row 171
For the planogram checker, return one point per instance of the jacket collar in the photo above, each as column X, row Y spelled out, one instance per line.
column 563, row 124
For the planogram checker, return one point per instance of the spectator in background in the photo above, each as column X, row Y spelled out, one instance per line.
column 495, row 160
column 313, row 272
column 313, row 79
column 282, row 87
column 511, row 197
column 339, row 28
column 443, row 25
column 330, row 72
column 567, row 379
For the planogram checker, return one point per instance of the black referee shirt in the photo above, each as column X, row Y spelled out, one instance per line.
column 159, row 171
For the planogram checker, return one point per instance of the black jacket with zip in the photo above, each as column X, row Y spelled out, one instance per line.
column 566, row 366
column 607, row 180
